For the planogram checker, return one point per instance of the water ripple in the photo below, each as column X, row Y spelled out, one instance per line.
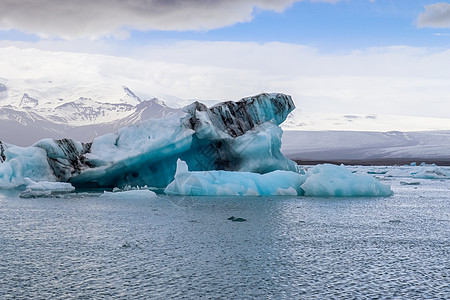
column 186, row 248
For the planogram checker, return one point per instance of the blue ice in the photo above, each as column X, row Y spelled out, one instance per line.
column 219, row 183
column 320, row 181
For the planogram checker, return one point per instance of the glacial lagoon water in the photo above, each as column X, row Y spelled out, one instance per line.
column 88, row 247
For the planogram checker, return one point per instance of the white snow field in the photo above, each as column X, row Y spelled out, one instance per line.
column 352, row 147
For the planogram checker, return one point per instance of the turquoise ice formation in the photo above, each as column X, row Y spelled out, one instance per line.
column 232, row 136
column 228, row 183
column 232, row 148
column 320, row 181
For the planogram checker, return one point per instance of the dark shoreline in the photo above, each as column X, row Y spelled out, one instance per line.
column 377, row 162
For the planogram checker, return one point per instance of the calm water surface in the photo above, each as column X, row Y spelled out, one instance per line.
column 87, row 247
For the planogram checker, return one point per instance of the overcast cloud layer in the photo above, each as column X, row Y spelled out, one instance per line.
column 87, row 18
column 435, row 15
column 396, row 80
column 391, row 80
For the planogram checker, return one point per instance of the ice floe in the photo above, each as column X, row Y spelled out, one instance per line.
column 132, row 194
column 219, row 183
column 338, row 181
column 322, row 180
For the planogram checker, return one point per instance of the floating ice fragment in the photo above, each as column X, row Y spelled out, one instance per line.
column 337, row 181
column 410, row 183
column 45, row 188
column 62, row 187
column 322, row 180
column 424, row 171
column 432, row 172
column 215, row 183
column 36, row 194
column 130, row 195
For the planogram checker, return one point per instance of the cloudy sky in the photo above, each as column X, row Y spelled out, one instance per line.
column 342, row 56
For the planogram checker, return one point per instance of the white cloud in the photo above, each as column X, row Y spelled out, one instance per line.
column 87, row 18
column 391, row 80
column 436, row 15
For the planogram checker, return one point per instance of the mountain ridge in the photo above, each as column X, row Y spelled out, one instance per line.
column 31, row 114
column 84, row 118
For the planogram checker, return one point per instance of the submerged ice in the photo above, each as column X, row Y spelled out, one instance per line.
column 232, row 148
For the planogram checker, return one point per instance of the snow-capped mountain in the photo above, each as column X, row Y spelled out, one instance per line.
column 28, row 102
column 35, row 109
column 33, row 115
column 85, row 111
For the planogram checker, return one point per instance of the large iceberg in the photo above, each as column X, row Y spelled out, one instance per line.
column 232, row 148
column 234, row 136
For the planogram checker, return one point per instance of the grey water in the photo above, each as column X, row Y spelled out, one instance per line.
column 85, row 247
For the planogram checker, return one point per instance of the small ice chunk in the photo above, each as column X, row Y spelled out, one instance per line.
column 336, row 181
column 62, row 187
column 130, row 195
column 431, row 172
column 45, row 188
column 287, row 192
column 410, row 183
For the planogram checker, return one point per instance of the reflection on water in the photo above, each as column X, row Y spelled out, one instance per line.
column 186, row 247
